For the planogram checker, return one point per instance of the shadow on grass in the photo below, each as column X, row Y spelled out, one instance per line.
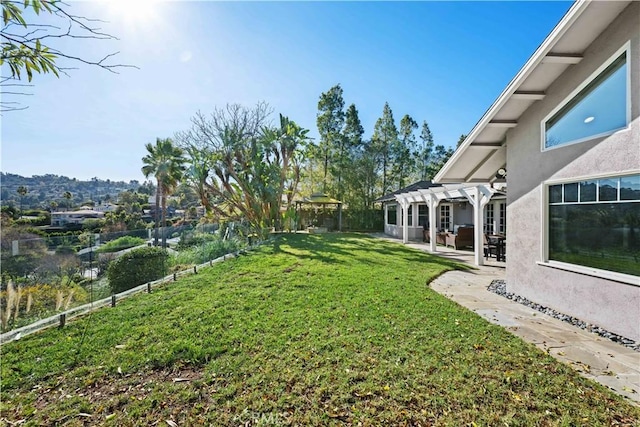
column 344, row 248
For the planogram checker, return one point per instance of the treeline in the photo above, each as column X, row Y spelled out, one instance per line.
column 39, row 191
column 358, row 170
column 242, row 165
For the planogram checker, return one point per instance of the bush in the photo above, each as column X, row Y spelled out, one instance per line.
column 124, row 242
column 189, row 239
column 136, row 268
column 207, row 251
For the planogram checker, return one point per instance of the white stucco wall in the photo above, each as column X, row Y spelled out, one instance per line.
column 612, row 305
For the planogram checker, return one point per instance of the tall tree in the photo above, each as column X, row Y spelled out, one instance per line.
column 440, row 156
column 67, row 197
column 165, row 162
column 330, row 120
column 385, row 136
column 403, row 151
column 352, row 134
column 461, row 140
column 425, row 153
column 22, row 191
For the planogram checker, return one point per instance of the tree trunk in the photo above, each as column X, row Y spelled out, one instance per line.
column 157, row 219
column 164, row 219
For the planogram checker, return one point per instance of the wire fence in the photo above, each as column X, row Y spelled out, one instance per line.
column 46, row 277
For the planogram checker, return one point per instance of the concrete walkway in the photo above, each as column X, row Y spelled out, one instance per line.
column 594, row 357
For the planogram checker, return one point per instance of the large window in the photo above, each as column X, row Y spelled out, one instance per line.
column 489, row 219
column 392, row 214
column 596, row 223
column 598, row 109
column 502, row 219
column 445, row 217
column 423, row 215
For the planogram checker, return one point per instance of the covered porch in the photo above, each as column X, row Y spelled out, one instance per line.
column 477, row 195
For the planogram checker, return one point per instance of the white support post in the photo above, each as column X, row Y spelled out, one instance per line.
column 432, row 204
column 405, row 220
column 478, row 229
column 386, row 218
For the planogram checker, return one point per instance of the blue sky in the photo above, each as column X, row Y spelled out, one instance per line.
column 443, row 62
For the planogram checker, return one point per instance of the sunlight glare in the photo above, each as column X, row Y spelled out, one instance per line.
column 134, row 13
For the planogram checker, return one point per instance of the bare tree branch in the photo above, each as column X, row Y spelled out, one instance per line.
column 25, row 45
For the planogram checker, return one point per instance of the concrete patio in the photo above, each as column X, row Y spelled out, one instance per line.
column 611, row 364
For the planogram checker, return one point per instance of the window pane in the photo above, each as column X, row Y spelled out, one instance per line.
column 608, row 190
column 555, row 194
column 588, row 191
column 571, row 192
column 630, row 187
column 392, row 218
column 599, row 108
column 598, row 235
column 423, row 216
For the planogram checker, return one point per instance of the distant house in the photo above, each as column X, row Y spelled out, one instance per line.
column 62, row 219
column 566, row 132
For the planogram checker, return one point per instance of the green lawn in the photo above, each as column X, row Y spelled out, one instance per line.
column 309, row 330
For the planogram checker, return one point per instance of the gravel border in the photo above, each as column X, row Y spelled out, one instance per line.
column 499, row 287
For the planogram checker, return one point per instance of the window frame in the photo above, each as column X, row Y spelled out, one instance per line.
column 502, row 217
column 424, row 215
column 626, row 48
column 489, row 218
column 392, row 207
column 448, row 215
column 544, row 234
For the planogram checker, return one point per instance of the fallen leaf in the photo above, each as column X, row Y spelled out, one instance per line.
column 171, row 423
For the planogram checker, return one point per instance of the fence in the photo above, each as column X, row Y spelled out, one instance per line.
column 45, row 276
column 61, row 318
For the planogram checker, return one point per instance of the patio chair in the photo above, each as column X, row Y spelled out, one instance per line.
column 490, row 248
column 461, row 239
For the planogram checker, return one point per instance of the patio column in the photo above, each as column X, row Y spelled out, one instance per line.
column 432, row 205
column 386, row 217
column 405, row 220
column 479, row 198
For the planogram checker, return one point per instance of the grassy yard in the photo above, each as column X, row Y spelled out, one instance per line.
column 309, row 330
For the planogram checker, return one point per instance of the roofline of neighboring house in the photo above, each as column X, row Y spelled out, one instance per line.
column 569, row 19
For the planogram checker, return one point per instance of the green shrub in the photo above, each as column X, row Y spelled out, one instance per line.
column 137, row 267
column 206, row 251
column 188, row 239
column 124, row 242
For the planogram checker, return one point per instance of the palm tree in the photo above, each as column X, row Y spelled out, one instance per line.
column 67, row 195
column 22, row 191
column 165, row 161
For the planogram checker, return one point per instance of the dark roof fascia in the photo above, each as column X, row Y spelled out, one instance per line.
column 419, row 185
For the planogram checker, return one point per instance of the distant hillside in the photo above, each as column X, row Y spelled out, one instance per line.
column 43, row 189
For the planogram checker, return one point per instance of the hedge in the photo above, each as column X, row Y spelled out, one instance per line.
column 137, row 267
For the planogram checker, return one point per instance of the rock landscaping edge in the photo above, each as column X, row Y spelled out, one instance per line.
column 499, row 286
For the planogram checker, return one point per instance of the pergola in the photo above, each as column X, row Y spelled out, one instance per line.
column 323, row 200
column 478, row 196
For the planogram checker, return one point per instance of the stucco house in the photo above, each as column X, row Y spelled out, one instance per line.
column 566, row 131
